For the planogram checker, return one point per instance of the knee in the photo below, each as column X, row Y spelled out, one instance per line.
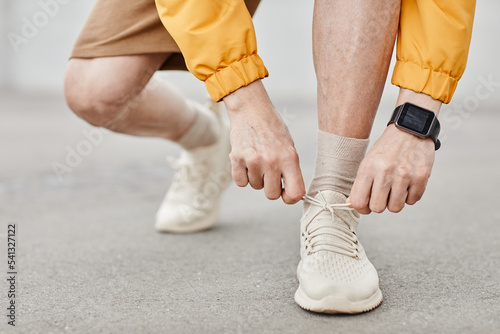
column 94, row 99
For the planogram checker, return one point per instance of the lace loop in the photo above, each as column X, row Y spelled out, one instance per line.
column 190, row 180
column 187, row 171
column 344, row 241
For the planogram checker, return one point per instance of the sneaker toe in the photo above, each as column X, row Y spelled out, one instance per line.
column 322, row 294
column 176, row 218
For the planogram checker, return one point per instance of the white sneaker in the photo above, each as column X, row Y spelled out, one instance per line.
column 193, row 201
column 334, row 274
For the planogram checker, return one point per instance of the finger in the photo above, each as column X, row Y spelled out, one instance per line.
column 255, row 171
column 360, row 195
column 239, row 172
column 415, row 193
column 272, row 185
column 417, row 188
column 379, row 196
column 255, row 178
column 397, row 196
column 293, row 185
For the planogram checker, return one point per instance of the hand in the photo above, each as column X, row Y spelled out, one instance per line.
column 394, row 172
column 263, row 152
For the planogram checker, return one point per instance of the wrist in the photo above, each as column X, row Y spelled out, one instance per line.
column 418, row 121
column 419, row 99
column 250, row 97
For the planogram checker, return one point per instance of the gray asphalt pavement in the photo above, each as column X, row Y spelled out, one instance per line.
column 89, row 260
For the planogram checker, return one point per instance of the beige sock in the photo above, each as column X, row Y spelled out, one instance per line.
column 337, row 162
column 204, row 131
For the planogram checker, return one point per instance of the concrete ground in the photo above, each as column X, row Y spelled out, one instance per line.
column 89, row 260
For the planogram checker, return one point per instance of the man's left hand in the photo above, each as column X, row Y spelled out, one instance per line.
column 394, row 172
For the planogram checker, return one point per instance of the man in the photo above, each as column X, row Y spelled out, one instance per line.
column 123, row 43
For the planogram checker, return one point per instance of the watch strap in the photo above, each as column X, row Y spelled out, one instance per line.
column 395, row 114
column 435, row 134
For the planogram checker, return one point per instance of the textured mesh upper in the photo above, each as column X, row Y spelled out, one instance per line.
column 339, row 268
column 330, row 265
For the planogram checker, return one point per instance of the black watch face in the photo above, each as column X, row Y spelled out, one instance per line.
column 416, row 119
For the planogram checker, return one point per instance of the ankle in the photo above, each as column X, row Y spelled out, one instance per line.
column 204, row 129
column 337, row 163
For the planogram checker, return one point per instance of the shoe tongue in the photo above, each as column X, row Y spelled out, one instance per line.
column 342, row 217
column 324, row 221
column 194, row 156
column 331, row 197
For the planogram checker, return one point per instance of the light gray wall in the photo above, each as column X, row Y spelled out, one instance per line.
column 3, row 44
column 284, row 37
column 38, row 62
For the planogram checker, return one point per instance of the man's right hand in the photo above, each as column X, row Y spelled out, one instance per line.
column 263, row 152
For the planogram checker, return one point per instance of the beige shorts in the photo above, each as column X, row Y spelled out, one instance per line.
column 119, row 28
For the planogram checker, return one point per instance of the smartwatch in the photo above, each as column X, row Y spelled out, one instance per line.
column 418, row 121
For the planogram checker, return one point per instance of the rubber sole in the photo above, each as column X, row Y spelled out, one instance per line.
column 337, row 305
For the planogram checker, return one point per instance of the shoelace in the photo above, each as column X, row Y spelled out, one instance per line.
column 346, row 241
column 189, row 181
column 188, row 171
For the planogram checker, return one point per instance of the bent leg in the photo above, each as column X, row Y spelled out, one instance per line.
column 352, row 44
column 117, row 93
